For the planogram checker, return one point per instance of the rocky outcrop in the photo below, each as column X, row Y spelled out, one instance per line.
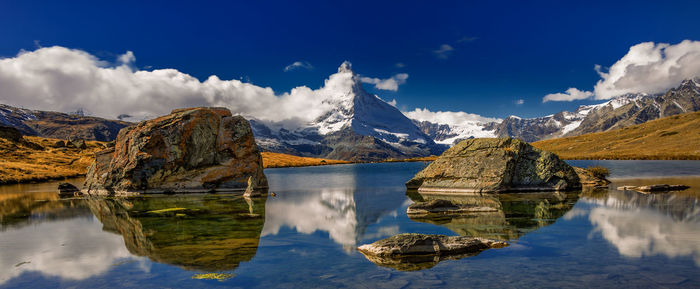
column 495, row 165
column 10, row 133
column 189, row 150
column 419, row 251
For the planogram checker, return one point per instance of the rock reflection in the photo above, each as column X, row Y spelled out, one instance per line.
column 54, row 237
column 205, row 233
column 648, row 225
column 513, row 214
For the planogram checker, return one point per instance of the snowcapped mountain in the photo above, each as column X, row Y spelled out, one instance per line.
column 622, row 111
column 356, row 126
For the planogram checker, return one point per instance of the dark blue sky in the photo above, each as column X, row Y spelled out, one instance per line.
column 503, row 50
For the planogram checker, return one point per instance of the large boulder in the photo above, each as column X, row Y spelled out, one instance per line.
column 495, row 165
column 189, row 150
column 10, row 133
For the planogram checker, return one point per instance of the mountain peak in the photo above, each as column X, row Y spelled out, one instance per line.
column 346, row 66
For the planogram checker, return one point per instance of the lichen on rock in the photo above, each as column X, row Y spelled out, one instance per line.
column 189, row 150
column 495, row 165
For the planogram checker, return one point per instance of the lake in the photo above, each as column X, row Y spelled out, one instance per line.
column 306, row 235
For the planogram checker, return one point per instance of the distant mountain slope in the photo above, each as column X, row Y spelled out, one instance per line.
column 59, row 125
column 622, row 111
column 358, row 127
column 674, row 137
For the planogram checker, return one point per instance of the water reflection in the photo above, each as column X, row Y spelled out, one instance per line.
column 195, row 232
column 344, row 214
column 58, row 238
column 512, row 216
column 342, row 202
column 641, row 225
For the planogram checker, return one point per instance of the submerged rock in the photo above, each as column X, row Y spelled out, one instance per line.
column 444, row 207
column 189, row 150
column 420, row 251
column 67, row 190
column 495, row 165
column 654, row 188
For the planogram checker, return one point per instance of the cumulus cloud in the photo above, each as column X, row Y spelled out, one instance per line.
column 571, row 94
column 61, row 79
column 297, row 65
column 448, row 117
column 650, row 68
column 392, row 102
column 444, row 51
column 391, row 83
column 519, row 101
column 647, row 67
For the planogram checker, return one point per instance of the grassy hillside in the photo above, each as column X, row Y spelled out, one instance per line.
column 277, row 160
column 672, row 138
column 36, row 159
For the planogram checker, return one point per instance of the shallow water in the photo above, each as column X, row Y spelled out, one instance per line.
column 306, row 235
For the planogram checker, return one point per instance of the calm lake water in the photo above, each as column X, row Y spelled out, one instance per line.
column 306, row 235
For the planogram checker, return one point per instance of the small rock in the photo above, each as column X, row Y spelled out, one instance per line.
column 654, row 188
column 67, row 190
column 410, row 252
column 79, row 144
column 59, row 144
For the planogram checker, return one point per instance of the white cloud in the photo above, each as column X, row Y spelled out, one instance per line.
column 448, row 117
column 127, row 58
column 444, row 51
column 61, row 79
column 647, row 67
column 392, row 102
column 298, row 64
column 520, row 101
column 571, row 94
column 650, row 67
column 391, row 83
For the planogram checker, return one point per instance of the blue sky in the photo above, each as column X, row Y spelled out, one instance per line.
column 502, row 51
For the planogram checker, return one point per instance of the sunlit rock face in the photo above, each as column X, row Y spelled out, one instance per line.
column 190, row 150
column 641, row 225
column 511, row 215
column 495, row 165
column 205, row 233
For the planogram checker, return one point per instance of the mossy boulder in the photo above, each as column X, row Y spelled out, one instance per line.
column 495, row 165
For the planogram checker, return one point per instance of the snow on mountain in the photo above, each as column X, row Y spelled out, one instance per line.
column 352, row 113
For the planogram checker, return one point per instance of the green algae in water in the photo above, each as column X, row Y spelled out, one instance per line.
column 168, row 210
column 213, row 276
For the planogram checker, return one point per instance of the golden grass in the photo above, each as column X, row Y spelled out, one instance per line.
column 278, row 160
column 415, row 159
column 21, row 163
column 671, row 138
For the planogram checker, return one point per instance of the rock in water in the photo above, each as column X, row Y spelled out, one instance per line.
column 67, row 190
column 189, row 150
column 495, row 165
column 420, row 251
